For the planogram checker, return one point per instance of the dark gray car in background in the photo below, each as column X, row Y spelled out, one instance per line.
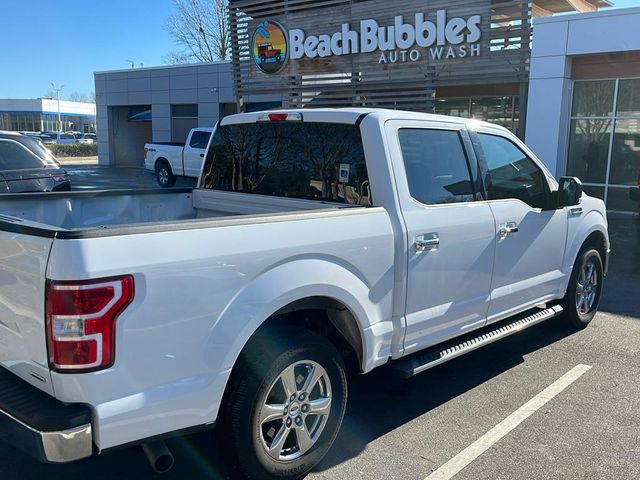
column 27, row 166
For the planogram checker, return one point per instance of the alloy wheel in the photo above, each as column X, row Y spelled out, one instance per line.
column 587, row 288
column 295, row 410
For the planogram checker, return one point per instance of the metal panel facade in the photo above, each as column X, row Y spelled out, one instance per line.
column 377, row 53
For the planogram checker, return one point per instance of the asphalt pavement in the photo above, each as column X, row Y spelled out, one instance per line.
column 410, row 429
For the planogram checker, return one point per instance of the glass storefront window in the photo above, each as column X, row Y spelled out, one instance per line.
column 456, row 107
column 620, row 200
column 589, row 149
column 593, row 98
column 604, row 140
column 502, row 111
column 629, row 97
column 493, row 109
column 625, row 157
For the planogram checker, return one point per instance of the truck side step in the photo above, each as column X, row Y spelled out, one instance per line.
column 431, row 357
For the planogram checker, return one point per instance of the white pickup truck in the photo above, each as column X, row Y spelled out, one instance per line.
column 317, row 242
column 169, row 160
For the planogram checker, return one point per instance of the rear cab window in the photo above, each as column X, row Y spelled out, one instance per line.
column 304, row 160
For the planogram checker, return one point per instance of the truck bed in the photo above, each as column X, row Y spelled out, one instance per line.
column 110, row 212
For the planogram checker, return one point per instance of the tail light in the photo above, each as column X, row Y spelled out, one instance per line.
column 146, row 150
column 281, row 117
column 81, row 322
column 60, row 177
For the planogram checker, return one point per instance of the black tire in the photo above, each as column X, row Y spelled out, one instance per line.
column 576, row 314
column 256, row 380
column 164, row 174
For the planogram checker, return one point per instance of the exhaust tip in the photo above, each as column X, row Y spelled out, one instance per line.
column 159, row 456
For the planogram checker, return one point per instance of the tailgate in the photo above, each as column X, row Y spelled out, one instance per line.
column 23, row 345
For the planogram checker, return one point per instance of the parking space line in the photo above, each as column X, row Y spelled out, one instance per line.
column 477, row 448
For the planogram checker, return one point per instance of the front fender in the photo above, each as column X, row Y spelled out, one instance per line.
column 593, row 221
column 296, row 280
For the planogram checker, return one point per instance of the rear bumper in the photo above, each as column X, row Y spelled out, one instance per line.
column 40, row 425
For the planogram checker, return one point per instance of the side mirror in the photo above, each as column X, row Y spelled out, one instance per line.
column 569, row 192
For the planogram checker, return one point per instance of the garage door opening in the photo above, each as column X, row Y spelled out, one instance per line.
column 130, row 130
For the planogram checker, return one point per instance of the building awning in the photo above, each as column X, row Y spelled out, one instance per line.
column 545, row 8
column 136, row 114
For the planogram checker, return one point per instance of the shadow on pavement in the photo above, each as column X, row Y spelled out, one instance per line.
column 622, row 285
column 370, row 396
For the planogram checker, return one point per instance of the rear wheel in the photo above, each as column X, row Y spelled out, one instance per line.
column 164, row 174
column 286, row 406
column 585, row 289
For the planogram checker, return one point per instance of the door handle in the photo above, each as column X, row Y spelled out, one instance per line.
column 510, row 228
column 430, row 241
column 202, row 155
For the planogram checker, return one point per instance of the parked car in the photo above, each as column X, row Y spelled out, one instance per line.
column 60, row 138
column 88, row 138
column 169, row 160
column 27, row 166
column 30, row 134
column 317, row 241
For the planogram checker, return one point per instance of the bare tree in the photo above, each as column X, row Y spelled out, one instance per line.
column 201, row 28
column 76, row 96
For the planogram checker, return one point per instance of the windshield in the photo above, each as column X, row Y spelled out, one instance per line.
column 318, row 161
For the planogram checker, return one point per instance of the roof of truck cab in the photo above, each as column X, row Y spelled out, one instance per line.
column 350, row 116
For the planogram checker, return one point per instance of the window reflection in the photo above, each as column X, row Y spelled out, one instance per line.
column 625, row 161
column 289, row 159
column 589, row 149
column 629, row 97
column 593, row 99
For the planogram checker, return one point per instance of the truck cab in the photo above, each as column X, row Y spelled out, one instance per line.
column 170, row 160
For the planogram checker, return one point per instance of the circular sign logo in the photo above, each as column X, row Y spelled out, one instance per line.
column 270, row 47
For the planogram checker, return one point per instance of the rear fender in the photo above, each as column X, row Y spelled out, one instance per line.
column 293, row 281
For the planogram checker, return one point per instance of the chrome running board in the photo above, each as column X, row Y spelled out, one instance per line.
column 424, row 360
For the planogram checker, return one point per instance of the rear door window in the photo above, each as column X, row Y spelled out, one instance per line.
column 316, row 161
column 436, row 166
column 14, row 156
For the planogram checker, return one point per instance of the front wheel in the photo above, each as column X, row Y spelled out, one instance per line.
column 585, row 289
column 287, row 405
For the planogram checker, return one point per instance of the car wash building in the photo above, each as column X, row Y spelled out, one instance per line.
column 568, row 84
column 464, row 58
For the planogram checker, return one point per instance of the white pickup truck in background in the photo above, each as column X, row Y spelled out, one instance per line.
column 169, row 160
column 317, row 242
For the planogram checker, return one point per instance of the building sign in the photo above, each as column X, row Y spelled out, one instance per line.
column 437, row 38
column 269, row 47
